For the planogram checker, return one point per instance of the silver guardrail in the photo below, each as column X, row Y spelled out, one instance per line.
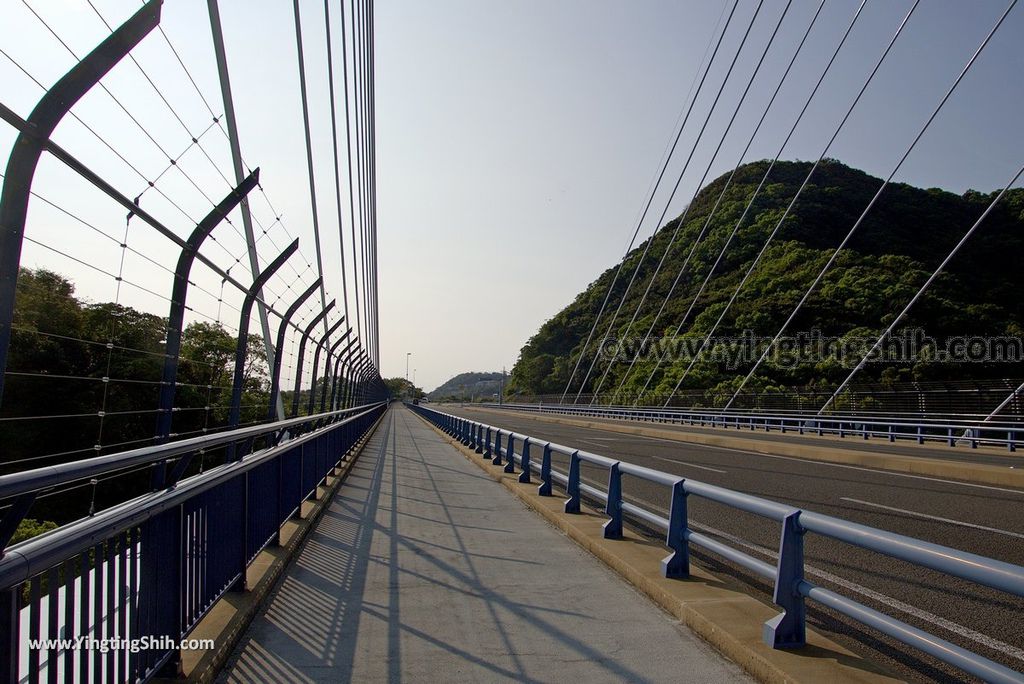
column 791, row 587
column 970, row 433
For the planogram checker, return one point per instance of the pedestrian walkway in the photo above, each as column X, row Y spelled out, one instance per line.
column 424, row 569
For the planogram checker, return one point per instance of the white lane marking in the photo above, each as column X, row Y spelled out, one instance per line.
column 949, row 625
column 686, row 463
column 865, row 470
column 593, row 442
column 935, row 517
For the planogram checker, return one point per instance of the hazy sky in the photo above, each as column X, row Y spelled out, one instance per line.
column 516, row 140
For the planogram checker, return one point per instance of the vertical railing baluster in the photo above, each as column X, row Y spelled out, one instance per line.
column 34, row 596
column 53, row 606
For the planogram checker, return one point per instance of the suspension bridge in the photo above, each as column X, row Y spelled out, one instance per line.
column 207, row 476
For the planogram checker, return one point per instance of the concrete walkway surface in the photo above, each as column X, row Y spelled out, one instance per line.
column 423, row 569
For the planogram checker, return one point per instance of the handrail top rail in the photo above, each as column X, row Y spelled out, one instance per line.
column 45, row 477
column 23, row 560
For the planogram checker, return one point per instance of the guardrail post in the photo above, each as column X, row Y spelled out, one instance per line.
column 478, row 439
column 788, row 629
column 677, row 563
column 892, row 434
column 487, row 443
column 510, row 456
column 975, row 434
column 949, row 437
column 920, row 436
column 496, row 460
column 1011, row 441
column 545, row 472
column 467, row 433
column 300, row 356
column 524, row 477
column 572, row 487
column 176, row 315
column 613, row 528
column 275, row 374
column 28, row 149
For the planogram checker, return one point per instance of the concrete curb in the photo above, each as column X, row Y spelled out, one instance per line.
column 228, row 620
column 980, row 473
column 715, row 608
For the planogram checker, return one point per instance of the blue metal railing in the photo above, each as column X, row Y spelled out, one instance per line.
column 791, row 587
column 1004, row 434
column 152, row 567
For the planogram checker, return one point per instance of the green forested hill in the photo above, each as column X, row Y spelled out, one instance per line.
column 905, row 236
column 468, row 386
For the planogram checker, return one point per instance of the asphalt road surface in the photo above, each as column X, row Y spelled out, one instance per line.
column 982, row 519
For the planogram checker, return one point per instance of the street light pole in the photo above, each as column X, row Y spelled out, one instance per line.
column 407, row 355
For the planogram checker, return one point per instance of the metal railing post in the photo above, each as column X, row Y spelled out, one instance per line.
column 337, row 391
column 275, row 375
column 572, row 487
column 545, row 472
column 510, row 455
column 302, row 352
column 677, row 563
column 788, row 629
column 496, row 459
column 176, row 315
column 524, row 477
column 487, row 443
column 242, row 345
column 319, row 347
column 29, row 145
column 613, row 507
column 329, row 388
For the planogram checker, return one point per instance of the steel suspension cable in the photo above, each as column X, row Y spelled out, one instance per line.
column 348, row 153
column 871, row 204
column 714, row 210
column 334, row 149
column 700, row 184
column 750, row 205
column 647, row 206
column 650, row 242
column 913, row 300
column 309, row 150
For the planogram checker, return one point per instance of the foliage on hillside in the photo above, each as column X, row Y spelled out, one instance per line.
column 96, row 369
column 904, row 237
column 468, row 386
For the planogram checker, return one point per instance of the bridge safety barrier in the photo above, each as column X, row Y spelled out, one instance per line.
column 133, row 580
column 791, row 587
